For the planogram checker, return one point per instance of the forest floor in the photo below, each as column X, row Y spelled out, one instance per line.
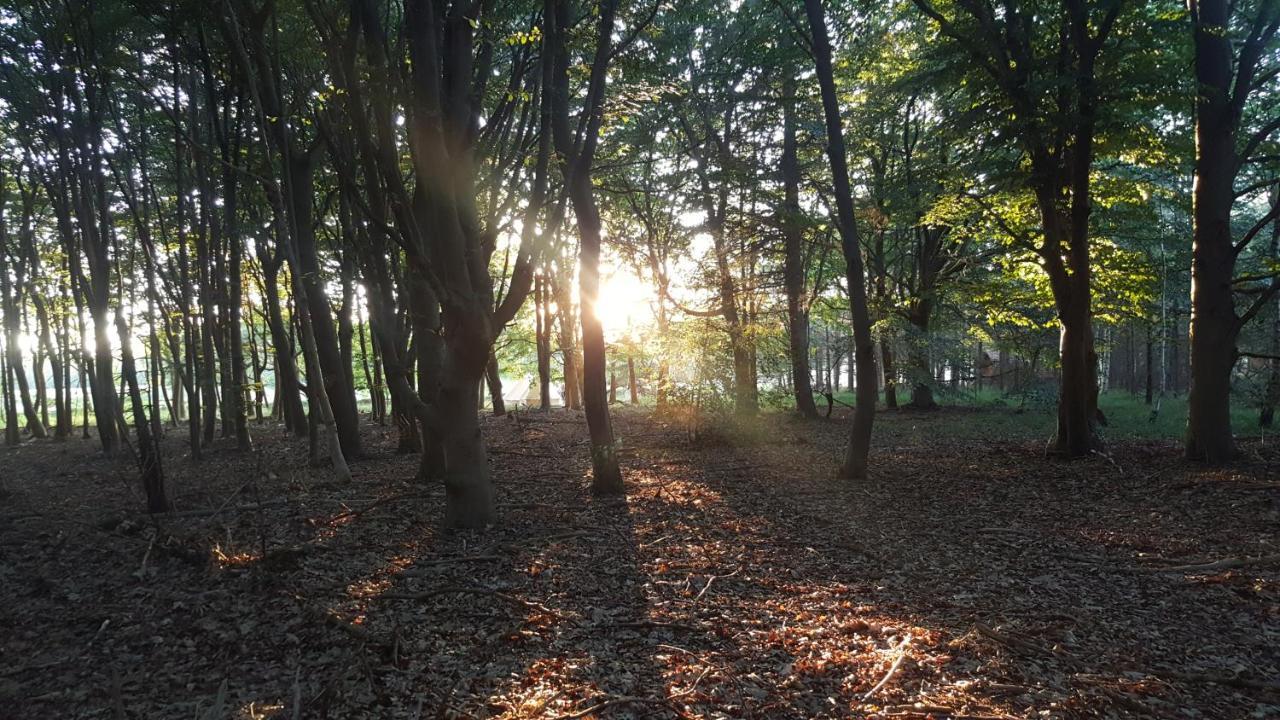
column 971, row 577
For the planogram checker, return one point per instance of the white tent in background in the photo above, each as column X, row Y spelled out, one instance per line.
column 523, row 392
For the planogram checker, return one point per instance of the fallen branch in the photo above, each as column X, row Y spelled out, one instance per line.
column 623, row 700
column 1226, row 564
column 524, row 453
column 416, row 570
column 1018, row 643
column 373, row 506
column 459, row 590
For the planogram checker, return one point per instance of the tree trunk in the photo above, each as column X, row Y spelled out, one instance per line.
column 12, row 434
column 301, row 174
column 149, row 465
column 890, row 375
column 288, row 389
column 855, row 463
column 1271, row 396
column 792, row 268
column 1214, row 325
column 632, row 385
column 493, row 379
column 1151, row 367
column 606, row 477
column 543, row 333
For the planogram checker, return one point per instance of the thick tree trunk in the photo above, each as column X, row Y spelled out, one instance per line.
column 746, row 396
column 1214, row 325
column 1078, row 394
column 921, row 390
column 467, row 485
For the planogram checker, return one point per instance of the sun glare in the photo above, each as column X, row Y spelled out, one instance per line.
column 624, row 305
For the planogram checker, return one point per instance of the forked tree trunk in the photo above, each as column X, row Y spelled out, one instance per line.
column 288, row 401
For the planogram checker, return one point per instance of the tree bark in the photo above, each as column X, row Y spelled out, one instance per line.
column 606, row 477
column 794, row 267
column 855, row 463
column 493, row 379
column 1214, row 327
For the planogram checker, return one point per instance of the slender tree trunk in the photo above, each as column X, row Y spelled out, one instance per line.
column 542, row 330
column 1271, row 397
column 855, row 463
column 288, row 391
column 149, row 465
column 890, row 374
column 569, row 348
column 301, row 174
column 1150, row 367
column 494, row 380
column 632, row 385
column 234, row 399
column 319, row 396
column 606, row 476
column 12, row 434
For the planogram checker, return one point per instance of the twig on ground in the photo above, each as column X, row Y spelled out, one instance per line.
column 712, row 579
column 893, row 669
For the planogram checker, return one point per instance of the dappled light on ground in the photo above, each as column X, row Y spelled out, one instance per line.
column 968, row 578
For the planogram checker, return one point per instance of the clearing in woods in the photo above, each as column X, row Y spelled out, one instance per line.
column 970, row 578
